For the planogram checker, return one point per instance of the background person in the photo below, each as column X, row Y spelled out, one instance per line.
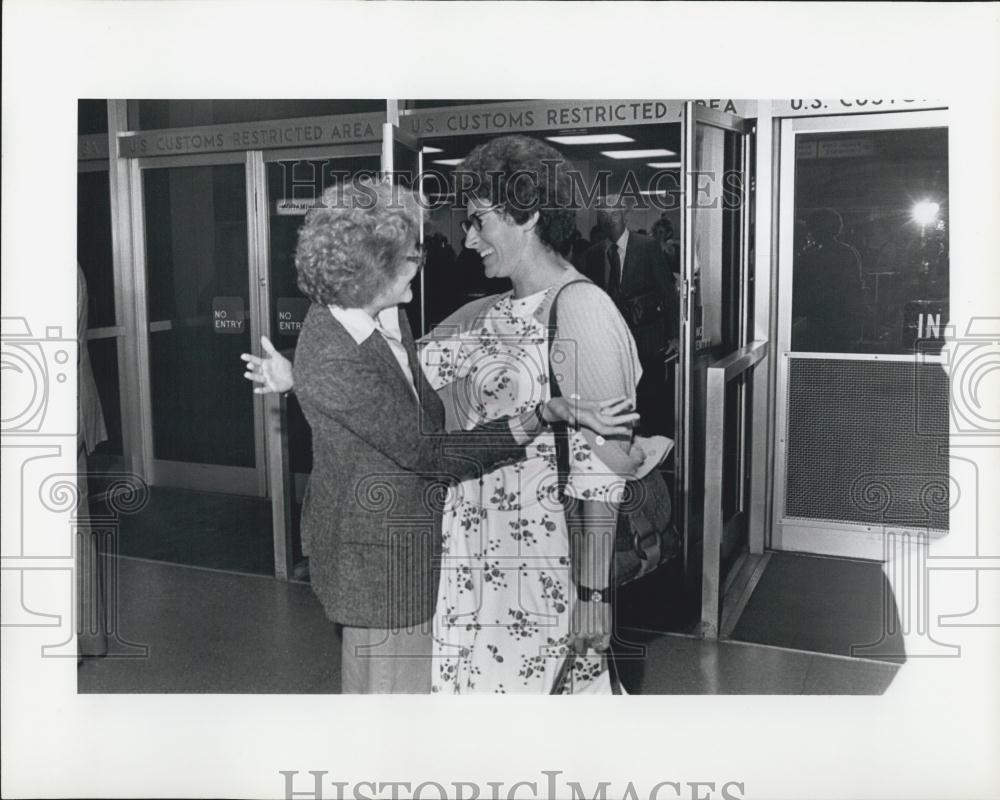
column 633, row 270
column 828, row 289
column 663, row 232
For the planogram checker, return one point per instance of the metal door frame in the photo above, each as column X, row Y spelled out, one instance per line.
column 737, row 365
column 827, row 537
column 188, row 475
column 694, row 114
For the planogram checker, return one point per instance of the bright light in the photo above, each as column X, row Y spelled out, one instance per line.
column 619, row 154
column 592, row 138
column 428, row 149
column 664, row 164
column 448, row 162
column 925, row 212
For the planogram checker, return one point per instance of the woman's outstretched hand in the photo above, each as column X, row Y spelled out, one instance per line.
column 607, row 417
column 273, row 373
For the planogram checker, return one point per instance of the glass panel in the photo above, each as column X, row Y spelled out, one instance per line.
column 304, row 182
column 154, row 114
column 732, row 241
column 91, row 117
column 731, row 474
column 709, row 245
column 196, row 255
column 93, row 246
column 870, row 270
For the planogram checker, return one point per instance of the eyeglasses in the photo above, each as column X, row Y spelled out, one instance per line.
column 420, row 259
column 475, row 220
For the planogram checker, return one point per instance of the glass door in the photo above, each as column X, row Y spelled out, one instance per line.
column 289, row 183
column 295, row 184
column 863, row 307
column 712, row 436
column 204, row 427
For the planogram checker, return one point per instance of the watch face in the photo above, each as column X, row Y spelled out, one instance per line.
column 596, row 596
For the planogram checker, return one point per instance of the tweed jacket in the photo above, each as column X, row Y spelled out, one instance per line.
column 646, row 298
column 371, row 521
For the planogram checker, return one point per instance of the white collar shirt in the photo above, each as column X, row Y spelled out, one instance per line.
column 621, row 244
column 360, row 325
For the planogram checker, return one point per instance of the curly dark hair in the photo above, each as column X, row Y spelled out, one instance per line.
column 523, row 175
column 354, row 244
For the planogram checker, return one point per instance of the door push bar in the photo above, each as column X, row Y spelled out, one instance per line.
column 719, row 375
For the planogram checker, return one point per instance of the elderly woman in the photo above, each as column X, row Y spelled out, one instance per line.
column 372, row 536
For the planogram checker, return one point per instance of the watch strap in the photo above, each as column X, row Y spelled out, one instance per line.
column 541, row 416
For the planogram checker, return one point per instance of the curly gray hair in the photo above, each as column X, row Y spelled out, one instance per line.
column 354, row 244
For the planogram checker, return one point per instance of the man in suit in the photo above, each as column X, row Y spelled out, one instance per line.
column 634, row 271
column 371, row 520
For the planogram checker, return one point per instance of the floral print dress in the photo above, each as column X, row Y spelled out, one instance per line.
column 503, row 610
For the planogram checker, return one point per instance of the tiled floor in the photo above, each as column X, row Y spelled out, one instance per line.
column 216, row 632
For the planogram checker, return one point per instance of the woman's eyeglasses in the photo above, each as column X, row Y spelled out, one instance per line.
column 475, row 220
column 420, row 258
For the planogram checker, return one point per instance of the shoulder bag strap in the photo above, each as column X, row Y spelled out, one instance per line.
column 560, row 429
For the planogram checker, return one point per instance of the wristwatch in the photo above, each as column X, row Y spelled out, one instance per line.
column 541, row 417
column 588, row 595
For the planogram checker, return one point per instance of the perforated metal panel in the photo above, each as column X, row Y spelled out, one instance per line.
column 865, row 442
